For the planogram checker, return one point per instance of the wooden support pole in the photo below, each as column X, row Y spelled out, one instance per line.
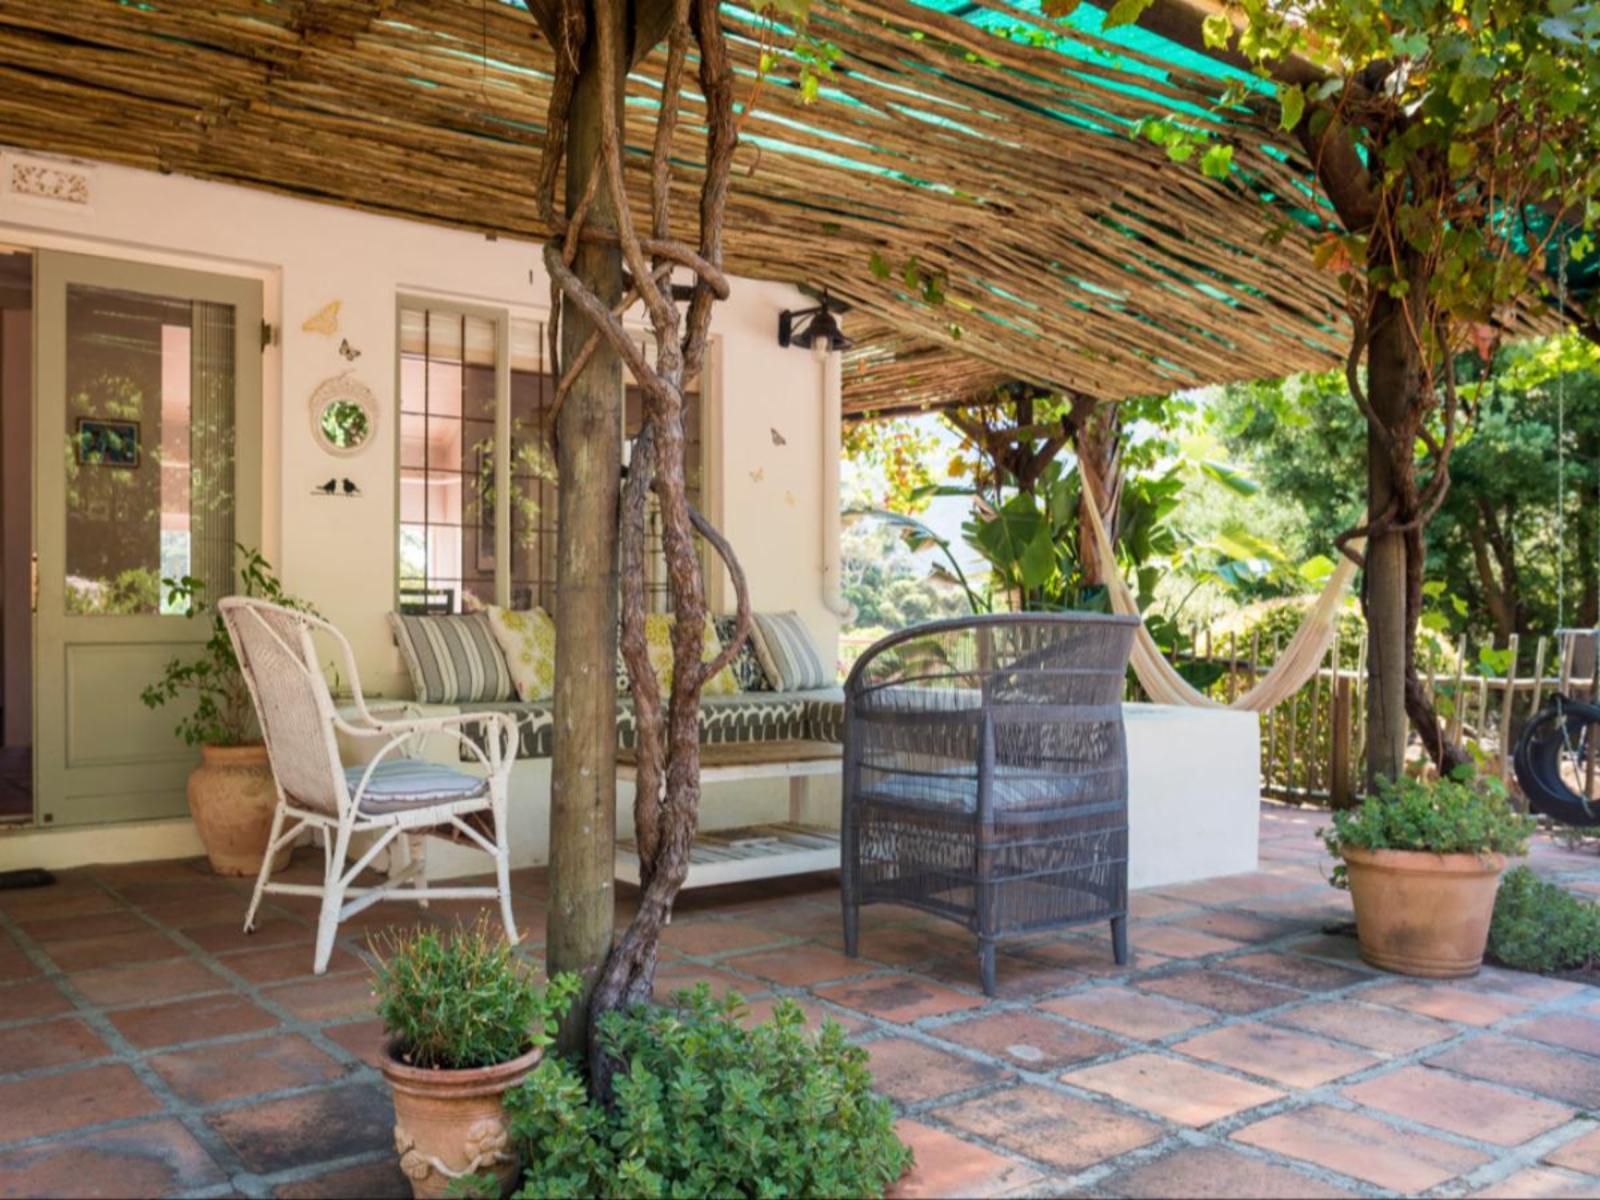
column 1339, row 793
column 583, row 783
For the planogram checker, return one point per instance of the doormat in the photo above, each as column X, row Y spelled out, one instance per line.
column 28, row 877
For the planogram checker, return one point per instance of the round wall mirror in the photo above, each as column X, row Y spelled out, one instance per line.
column 344, row 415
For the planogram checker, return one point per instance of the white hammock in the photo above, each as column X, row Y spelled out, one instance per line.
column 1296, row 665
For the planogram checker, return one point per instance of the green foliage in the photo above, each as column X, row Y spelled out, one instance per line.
column 916, row 536
column 1271, row 623
column 132, row 592
column 897, row 456
column 223, row 714
column 1540, row 926
column 1466, row 114
column 1459, row 815
column 463, row 999
column 706, row 1106
column 1304, row 438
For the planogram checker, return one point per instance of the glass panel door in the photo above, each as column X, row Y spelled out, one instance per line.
column 146, row 378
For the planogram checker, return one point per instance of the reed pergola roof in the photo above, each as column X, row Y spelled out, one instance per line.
column 989, row 145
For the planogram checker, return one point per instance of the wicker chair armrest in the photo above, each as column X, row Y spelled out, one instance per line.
column 498, row 759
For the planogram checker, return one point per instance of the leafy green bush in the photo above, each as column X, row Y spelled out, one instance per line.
column 1461, row 815
column 463, row 999
column 1540, row 926
column 1274, row 622
column 223, row 713
column 705, row 1106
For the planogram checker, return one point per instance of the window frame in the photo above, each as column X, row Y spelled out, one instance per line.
column 501, row 316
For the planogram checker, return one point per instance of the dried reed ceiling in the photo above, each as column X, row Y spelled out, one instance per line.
column 1074, row 254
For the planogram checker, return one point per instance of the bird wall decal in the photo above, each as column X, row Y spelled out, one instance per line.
column 329, row 488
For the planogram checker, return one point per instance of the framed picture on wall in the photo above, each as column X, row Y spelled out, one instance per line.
column 103, row 443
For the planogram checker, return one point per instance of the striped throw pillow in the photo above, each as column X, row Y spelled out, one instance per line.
column 787, row 654
column 453, row 660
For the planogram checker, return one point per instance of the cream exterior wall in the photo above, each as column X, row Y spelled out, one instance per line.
column 763, row 439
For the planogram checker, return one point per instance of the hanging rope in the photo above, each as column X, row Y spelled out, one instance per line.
column 1561, row 449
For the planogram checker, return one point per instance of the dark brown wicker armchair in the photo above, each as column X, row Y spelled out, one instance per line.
column 986, row 777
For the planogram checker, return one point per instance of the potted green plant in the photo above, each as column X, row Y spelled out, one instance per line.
column 231, row 793
column 1422, row 860
column 464, row 1020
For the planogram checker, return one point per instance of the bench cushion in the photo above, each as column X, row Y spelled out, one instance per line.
column 816, row 715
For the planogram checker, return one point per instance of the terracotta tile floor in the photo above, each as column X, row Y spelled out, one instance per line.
column 146, row 1047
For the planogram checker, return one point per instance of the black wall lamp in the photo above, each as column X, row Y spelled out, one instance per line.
column 809, row 327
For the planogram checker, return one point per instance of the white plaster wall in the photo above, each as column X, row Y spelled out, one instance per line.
column 341, row 554
column 1194, row 793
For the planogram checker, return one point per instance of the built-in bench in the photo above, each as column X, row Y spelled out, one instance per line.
column 1193, row 779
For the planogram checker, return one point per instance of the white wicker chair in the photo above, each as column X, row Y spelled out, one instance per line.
column 395, row 793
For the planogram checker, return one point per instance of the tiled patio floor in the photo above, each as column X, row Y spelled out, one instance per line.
column 147, row 1047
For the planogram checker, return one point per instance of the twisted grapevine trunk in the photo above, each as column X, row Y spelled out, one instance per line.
column 595, row 46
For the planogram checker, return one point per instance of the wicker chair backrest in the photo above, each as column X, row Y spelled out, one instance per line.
column 280, row 665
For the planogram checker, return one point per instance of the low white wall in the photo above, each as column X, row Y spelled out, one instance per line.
column 1194, row 793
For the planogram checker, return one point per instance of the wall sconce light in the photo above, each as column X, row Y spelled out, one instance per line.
column 810, row 327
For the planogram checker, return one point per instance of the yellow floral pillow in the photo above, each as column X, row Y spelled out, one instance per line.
column 658, row 645
column 528, row 639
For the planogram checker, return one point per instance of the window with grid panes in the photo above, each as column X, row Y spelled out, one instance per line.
column 450, row 410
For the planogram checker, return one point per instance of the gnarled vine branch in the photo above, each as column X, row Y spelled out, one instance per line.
column 667, row 789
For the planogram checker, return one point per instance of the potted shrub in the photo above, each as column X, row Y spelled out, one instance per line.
column 1422, row 860
column 231, row 793
column 464, row 1020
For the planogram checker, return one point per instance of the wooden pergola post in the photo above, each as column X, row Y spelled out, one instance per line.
column 583, row 785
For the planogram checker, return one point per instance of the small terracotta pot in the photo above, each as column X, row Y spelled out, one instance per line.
column 1419, row 913
column 231, row 797
column 450, row 1123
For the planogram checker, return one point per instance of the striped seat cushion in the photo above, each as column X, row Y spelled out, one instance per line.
column 789, row 657
column 453, row 660
column 402, row 783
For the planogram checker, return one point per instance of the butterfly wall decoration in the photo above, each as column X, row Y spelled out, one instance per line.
column 324, row 321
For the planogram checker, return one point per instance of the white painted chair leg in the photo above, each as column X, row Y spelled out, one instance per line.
column 502, row 864
column 417, row 857
column 266, row 868
column 332, row 902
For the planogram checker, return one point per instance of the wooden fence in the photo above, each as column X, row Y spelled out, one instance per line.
column 1312, row 744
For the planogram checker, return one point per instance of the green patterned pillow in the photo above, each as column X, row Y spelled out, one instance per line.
column 529, row 641
column 658, row 645
column 746, row 667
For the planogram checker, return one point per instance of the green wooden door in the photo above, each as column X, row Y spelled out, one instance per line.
column 147, row 432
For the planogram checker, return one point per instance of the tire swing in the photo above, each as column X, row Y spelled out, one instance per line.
column 1557, row 755
column 1560, row 744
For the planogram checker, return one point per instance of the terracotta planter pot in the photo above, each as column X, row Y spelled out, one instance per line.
column 1423, row 914
column 450, row 1123
column 231, row 797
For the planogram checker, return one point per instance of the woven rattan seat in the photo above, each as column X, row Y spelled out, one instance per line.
column 985, row 776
